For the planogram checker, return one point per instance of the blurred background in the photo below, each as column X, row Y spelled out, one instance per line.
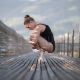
column 63, row 17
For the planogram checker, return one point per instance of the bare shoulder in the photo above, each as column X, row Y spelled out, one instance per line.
column 41, row 27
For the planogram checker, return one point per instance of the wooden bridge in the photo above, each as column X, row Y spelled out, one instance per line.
column 27, row 67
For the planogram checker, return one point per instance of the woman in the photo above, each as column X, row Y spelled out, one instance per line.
column 41, row 36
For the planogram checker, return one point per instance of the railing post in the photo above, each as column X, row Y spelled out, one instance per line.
column 79, row 42
column 73, row 44
column 68, row 45
column 64, row 44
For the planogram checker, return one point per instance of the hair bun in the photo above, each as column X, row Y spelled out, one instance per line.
column 26, row 16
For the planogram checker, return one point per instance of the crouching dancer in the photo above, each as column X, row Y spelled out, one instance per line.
column 41, row 36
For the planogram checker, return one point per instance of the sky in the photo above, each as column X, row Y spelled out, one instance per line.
column 61, row 15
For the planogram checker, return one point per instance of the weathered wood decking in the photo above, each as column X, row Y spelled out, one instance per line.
column 27, row 67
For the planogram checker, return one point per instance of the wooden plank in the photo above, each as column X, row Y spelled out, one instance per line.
column 26, row 67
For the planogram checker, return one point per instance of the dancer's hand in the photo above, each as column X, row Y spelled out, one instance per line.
column 34, row 37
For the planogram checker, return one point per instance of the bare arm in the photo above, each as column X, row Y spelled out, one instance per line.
column 36, row 33
column 39, row 29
